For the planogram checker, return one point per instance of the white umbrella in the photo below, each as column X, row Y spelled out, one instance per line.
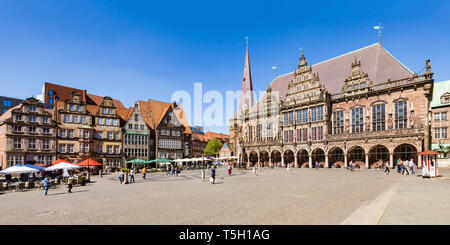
column 62, row 165
column 19, row 169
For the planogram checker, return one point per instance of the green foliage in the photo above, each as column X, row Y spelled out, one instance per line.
column 213, row 147
column 126, row 170
column 82, row 180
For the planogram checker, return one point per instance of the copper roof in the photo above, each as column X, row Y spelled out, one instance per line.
column 378, row 63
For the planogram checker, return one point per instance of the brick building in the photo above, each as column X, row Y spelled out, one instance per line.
column 27, row 135
column 363, row 106
column 7, row 103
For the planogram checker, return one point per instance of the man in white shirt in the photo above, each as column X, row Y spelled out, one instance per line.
column 405, row 167
column 411, row 166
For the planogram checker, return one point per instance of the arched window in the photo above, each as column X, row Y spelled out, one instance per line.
column 50, row 92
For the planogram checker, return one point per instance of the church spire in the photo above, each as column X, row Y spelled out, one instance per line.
column 247, row 100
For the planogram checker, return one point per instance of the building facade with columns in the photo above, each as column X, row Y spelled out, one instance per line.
column 363, row 106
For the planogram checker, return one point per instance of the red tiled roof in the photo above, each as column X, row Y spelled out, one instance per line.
column 125, row 114
column 378, row 63
column 98, row 100
column 211, row 135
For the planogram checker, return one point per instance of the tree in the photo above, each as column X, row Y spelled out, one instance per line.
column 213, row 147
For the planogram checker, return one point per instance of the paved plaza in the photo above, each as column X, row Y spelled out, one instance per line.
column 275, row 196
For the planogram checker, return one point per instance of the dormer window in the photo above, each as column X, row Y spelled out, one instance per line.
column 72, row 107
column 349, row 88
column 363, row 85
column 32, row 108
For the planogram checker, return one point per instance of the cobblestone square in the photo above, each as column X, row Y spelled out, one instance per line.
column 274, row 197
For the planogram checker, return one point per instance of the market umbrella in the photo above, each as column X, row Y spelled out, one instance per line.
column 161, row 160
column 35, row 167
column 139, row 161
column 59, row 161
column 62, row 165
column 18, row 169
column 89, row 162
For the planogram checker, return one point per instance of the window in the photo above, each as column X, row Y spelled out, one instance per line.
column 444, row 116
column 7, row 103
column 291, row 118
column 17, row 144
column 32, row 129
column 130, row 126
column 62, row 148
column 99, row 135
column 357, row 120
column 269, row 131
column 286, row 119
column 32, row 118
column 66, row 118
column 117, row 149
column 110, row 135
column 437, row 116
column 70, row 133
column 136, row 126
column 80, row 108
column 304, row 134
column 313, row 114
column 136, row 117
column 304, row 113
column 440, row 133
column 258, row 132
column 19, row 117
column 45, row 119
column 250, row 133
column 71, row 107
column 70, row 148
column 116, row 136
column 378, row 117
column 317, row 133
column 108, row 122
column 111, row 112
column 32, row 144
column 104, row 111
column 401, row 114
column 319, row 113
column 17, row 128
column 338, row 122
column 75, row 119
column 101, row 121
column 50, row 101
column 46, row 130
column 83, row 120
column 50, row 92
column 45, row 144
column 143, row 127
column 62, row 133
column 32, row 108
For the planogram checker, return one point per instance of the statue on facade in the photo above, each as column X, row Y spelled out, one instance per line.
column 411, row 119
column 367, row 124
column 427, row 65
column 347, row 125
column 390, row 121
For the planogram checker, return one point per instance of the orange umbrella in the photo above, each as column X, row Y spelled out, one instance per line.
column 59, row 161
column 90, row 163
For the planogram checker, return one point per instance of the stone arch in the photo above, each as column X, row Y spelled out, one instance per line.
column 275, row 156
column 318, row 155
column 264, row 157
column 288, row 156
column 377, row 153
column 357, row 155
column 303, row 158
column 253, row 157
column 336, row 157
column 404, row 152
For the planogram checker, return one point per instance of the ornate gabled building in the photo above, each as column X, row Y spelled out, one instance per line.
column 363, row 106
column 108, row 133
column 75, row 128
column 27, row 135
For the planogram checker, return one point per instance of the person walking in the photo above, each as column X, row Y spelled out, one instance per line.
column 350, row 166
column 132, row 176
column 405, row 168
column 254, row 171
column 317, row 165
column 167, row 169
column 229, row 169
column 70, row 184
column 121, row 177
column 46, row 185
column 399, row 166
column 411, row 166
column 172, row 169
column 386, row 168
column 288, row 168
column 213, row 175
column 144, row 172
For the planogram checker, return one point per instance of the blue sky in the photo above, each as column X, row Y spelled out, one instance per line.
column 134, row 50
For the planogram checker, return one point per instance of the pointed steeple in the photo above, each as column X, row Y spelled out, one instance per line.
column 247, row 100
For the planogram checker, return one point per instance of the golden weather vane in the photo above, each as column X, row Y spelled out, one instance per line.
column 379, row 28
